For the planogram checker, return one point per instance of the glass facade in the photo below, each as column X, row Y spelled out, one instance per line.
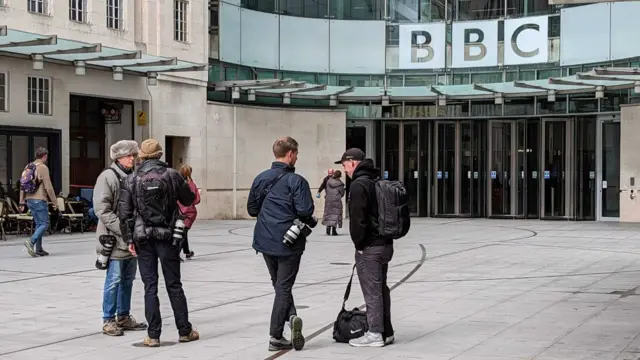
column 404, row 11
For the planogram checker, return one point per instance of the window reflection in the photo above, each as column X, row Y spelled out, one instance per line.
column 356, row 9
column 413, row 11
column 304, row 8
column 478, row 9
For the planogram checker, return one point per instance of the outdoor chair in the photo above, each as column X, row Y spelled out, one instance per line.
column 68, row 217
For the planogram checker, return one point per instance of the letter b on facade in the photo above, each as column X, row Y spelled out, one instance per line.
column 421, row 50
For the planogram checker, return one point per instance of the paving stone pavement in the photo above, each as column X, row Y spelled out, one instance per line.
column 488, row 290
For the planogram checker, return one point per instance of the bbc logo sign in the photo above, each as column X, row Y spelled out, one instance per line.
column 474, row 43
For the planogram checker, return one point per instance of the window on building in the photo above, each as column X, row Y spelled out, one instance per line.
column 180, row 8
column 78, row 10
column 39, row 95
column 38, row 6
column 115, row 16
column 3, row 91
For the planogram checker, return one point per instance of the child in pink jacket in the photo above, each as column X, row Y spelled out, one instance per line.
column 190, row 212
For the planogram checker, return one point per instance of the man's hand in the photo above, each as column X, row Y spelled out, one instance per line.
column 132, row 250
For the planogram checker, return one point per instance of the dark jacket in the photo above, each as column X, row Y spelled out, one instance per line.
column 324, row 183
column 289, row 198
column 363, row 207
column 131, row 202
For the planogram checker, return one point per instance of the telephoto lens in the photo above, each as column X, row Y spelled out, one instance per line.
column 292, row 233
column 107, row 242
column 178, row 231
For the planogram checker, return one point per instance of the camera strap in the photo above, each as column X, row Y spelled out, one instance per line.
column 272, row 183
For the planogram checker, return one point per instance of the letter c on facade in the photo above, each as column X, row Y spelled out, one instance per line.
column 421, row 50
column 514, row 40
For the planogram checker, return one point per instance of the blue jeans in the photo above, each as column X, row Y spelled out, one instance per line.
column 92, row 216
column 40, row 212
column 118, row 285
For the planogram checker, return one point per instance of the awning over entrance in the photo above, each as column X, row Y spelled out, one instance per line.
column 49, row 48
column 596, row 81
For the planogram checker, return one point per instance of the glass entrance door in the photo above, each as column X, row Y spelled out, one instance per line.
column 554, row 168
column 472, row 154
column 401, row 157
column 528, row 168
column 445, row 166
column 584, row 194
column 609, row 174
column 500, row 168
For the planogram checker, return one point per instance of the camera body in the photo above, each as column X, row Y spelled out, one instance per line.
column 299, row 229
column 178, row 230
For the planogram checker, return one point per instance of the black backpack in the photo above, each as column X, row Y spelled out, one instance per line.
column 350, row 324
column 394, row 220
column 153, row 195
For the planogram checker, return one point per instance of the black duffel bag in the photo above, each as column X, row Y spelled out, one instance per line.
column 350, row 324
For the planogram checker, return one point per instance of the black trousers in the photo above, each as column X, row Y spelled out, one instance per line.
column 169, row 256
column 185, row 242
column 283, row 271
column 372, row 266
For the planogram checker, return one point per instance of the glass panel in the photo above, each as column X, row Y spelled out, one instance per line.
column 93, row 150
column 395, row 80
column 519, row 8
column 554, row 168
column 585, row 188
column 40, row 141
column 478, row 9
column 583, row 103
column 19, row 159
column 4, row 166
column 472, row 171
column 420, row 80
column 260, row 5
column 357, row 9
column 445, row 170
column 500, row 168
column 611, row 169
column 304, row 8
column 391, row 166
column 75, row 151
column 527, row 168
column 466, row 171
column 410, row 168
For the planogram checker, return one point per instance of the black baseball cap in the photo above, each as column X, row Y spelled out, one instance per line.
column 351, row 154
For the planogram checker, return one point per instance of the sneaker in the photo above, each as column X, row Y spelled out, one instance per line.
column 369, row 339
column 190, row 255
column 296, row 332
column 279, row 344
column 129, row 323
column 151, row 342
column 29, row 246
column 389, row 340
column 111, row 328
column 42, row 253
column 193, row 336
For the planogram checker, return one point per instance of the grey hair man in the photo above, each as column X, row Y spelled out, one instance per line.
column 122, row 266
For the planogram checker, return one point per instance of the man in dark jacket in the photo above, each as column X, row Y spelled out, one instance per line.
column 148, row 207
column 278, row 196
column 373, row 251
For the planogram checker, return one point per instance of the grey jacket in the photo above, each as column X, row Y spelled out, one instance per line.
column 334, row 192
column 106, row 194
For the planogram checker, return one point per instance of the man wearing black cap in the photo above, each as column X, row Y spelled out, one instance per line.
column 373, row 251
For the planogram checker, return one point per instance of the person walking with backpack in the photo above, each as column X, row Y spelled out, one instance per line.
column 35, row 190
column 374, row 251
column 190, row 212
column 122, row 265
column 148, row 210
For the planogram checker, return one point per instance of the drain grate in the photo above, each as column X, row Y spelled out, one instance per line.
column 340, row 263
column 162, row 344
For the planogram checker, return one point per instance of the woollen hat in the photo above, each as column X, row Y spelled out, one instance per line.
column 123, row 148
column 150, row 149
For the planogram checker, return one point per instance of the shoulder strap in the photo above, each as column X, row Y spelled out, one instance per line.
column 115, row 172
column 270, row 185
column 347, row 292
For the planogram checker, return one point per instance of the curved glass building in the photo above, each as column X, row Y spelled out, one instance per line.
column 484, row 108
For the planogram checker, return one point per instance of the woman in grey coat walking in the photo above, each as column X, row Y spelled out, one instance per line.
column 334, row 191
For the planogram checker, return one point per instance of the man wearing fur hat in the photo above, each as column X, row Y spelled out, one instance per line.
column 148, row 208
column 121, row 270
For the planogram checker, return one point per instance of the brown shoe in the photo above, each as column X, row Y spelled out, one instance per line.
column 111, row 328
column 151, row 342
column 127, row 323
column 193, row 336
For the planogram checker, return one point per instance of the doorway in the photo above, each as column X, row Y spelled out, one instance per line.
column 528, row 168
column 608, row 168
column 360, row 134
column 17, row 149
column 584, row 195
column 401, row 158
column 501, row 168
column 554, row 164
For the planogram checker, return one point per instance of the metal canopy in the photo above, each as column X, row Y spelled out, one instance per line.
column 596, row 80
column 22, row 44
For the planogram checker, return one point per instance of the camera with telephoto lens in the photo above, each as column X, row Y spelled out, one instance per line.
column 108, row 242
column 298, row 229
column 178, row 230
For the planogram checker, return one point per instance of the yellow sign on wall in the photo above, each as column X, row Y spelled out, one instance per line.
column 141, row 118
